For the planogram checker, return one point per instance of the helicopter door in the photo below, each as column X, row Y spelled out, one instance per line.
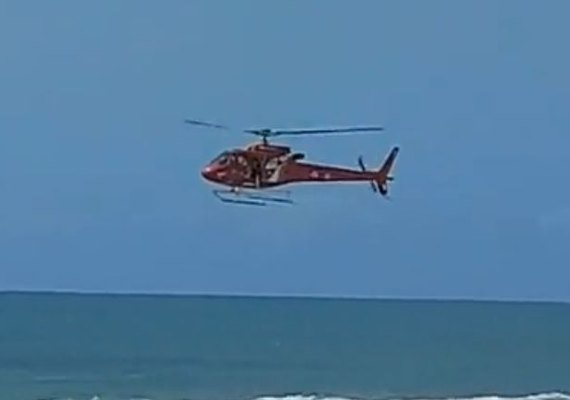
column 242, row 167
column 242, row 164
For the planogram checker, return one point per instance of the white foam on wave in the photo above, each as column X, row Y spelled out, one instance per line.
column 537, row 396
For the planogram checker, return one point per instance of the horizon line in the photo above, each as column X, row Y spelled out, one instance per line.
column 276, row 296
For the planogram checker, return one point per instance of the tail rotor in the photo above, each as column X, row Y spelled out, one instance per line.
column 379, row 182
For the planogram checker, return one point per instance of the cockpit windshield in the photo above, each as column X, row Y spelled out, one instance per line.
column 221, row 159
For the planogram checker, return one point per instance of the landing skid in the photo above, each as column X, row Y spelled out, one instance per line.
column 251, row 197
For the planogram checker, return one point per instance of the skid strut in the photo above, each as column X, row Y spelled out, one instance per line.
column 237, row 196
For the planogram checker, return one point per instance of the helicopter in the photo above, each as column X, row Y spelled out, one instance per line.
column 252, row 173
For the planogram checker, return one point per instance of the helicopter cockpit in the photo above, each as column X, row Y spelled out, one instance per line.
column 221, row 159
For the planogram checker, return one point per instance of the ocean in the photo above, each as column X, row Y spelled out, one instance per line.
column 111, row 347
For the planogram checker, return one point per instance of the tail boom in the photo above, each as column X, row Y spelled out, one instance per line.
column 306, row 172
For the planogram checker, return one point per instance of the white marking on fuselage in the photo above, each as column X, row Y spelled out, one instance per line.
column 275, row 175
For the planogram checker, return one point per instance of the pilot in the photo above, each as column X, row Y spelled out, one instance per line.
column 256, row 172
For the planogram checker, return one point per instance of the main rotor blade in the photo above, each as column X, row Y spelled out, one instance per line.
column 280, row 132
column 266, row 132
column 205, row 124
column 330, row 130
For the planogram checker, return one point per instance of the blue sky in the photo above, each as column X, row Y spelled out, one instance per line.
column 100, row 178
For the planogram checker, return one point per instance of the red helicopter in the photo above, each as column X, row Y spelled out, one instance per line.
column 250, row 172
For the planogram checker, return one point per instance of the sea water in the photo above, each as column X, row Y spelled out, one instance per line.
column 68, row 346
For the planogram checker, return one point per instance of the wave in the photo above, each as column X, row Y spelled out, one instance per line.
column 537, row 396
column 534, row 396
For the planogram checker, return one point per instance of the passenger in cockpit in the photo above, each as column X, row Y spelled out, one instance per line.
column 256, row 172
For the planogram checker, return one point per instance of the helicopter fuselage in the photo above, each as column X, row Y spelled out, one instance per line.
column 265, row 166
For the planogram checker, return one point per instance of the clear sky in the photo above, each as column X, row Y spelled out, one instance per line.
column 100, row 178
